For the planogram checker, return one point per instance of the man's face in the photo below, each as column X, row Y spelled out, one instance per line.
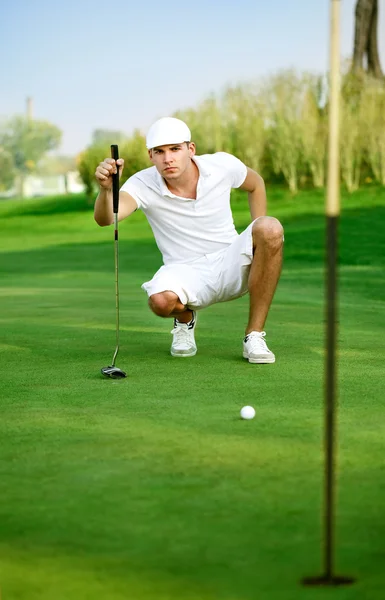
column 172, row 160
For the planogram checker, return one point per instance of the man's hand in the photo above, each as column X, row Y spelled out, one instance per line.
column 103, row 212
column 106, row 169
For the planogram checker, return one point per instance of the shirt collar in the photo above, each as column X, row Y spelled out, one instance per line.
column 203, row 172
column 162, row 185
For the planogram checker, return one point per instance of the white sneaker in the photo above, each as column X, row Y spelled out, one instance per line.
column 183, row 343
column 255, row 348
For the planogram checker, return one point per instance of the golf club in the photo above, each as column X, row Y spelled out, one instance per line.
column 112, row 371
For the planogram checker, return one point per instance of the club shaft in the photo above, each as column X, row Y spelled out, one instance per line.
column 115, row 200
column 116, row 247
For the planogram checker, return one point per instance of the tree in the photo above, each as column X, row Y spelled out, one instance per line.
column 284, row 97
column 352, row 130
column 314, row 130
column 244, row 116
column 135, row 153
column 27, row 142
column 205, row 123
column 373, row 118
column 7, row 171
column 133, row 150
column 87, row 161
column 365, row 38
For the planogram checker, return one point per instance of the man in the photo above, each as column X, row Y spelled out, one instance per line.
column 186, row 199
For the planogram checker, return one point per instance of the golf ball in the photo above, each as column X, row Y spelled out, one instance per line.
column 247, row 412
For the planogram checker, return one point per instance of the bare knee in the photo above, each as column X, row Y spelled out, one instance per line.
column 163, row 304
column 269, row 231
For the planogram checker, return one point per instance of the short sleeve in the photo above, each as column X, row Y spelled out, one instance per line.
column 133, row 187
column 235, row 168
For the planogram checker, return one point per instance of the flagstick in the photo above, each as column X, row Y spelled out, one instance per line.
column 332, row 216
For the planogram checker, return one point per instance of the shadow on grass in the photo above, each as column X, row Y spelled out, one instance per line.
column 55, row 205
column 361, row 242
column 139, row 256
column 361, row 237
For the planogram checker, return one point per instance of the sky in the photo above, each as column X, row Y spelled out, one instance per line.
column 91, row 64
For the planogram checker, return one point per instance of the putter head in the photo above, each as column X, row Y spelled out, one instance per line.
column 113, row 372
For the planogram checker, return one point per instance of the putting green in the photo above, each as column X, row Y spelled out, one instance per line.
column 151, row 487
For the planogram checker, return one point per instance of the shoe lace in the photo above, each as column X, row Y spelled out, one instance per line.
column 257, row 342
column 181, row 333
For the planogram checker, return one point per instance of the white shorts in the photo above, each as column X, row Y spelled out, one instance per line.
column 216, row 277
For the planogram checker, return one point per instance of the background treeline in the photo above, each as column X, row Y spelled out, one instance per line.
column 279, row 128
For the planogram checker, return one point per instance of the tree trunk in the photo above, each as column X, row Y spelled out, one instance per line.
column 363, row 14
column 20, row 181
column 292, row 180
column 374, row 67
column 318, row 175
column 365, row 38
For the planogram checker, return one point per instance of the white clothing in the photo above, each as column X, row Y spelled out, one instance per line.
column 186, row 229
column 167, row 130
column 216, row 277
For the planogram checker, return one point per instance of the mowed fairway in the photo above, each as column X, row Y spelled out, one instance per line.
column 152, row 488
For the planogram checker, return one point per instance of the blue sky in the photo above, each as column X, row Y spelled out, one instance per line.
column 119, row 65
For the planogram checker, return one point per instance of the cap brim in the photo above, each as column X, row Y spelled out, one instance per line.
column 163, row 142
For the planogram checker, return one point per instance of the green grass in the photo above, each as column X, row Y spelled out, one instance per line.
column 152, row 488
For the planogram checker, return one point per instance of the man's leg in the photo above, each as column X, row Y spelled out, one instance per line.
column 263, row 278
column 265, row 270
column 168, row 304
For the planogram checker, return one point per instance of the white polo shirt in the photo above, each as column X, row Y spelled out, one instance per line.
column 187, row 229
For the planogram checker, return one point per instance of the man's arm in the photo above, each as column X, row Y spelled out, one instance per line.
column 103, row 212
column 255, row 186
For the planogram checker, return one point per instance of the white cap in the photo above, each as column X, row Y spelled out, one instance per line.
column 167, row 131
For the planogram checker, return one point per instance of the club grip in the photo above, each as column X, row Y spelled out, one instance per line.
column 115, row 179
